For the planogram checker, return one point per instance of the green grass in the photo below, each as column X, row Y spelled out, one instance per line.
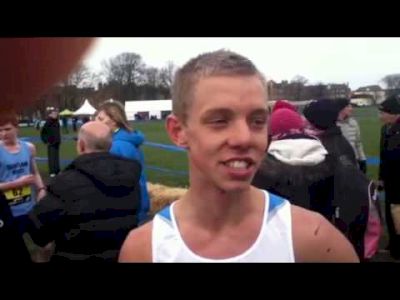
column 370, row 127
column 177, row 161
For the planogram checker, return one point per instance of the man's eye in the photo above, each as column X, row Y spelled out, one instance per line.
column 260, row 121
column 218, row 121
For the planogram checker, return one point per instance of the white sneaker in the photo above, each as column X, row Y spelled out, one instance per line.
column 52, row 175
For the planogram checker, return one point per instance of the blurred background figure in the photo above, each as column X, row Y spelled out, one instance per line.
column 389, row 168
column 64, row 121
column 322, row 116
column 51, row 136
column 351, row 131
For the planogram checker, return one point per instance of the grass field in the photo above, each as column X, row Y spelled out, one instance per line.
column 177, row 161
column 370, row 134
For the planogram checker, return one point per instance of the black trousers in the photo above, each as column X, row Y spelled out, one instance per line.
column 394, row 238
column 53, row 153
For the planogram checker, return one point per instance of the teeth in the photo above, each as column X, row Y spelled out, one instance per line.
column 238, row 164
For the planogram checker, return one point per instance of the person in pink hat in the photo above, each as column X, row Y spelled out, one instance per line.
column 298, row 167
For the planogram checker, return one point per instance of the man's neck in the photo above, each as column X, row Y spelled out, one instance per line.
column 213, row 208
column 10, row 144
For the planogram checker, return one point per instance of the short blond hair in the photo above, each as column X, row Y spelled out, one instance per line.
column 217, row 63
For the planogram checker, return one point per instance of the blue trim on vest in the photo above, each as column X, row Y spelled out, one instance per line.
column 274, row 202
column 166, row 213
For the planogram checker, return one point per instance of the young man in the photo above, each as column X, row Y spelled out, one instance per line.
column 389, row 168
column 351, row 131
column 20, row 179
column 220, row 117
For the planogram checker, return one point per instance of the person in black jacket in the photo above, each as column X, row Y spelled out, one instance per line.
column 92, row 205
column 389, row 169
column 12, row 246
column 298, row 167
column 323, row 114
column 51, row 136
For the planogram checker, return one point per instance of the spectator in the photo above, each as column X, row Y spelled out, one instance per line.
column 51, row 136
column 298, row 168
column 323, row 114
column 91, row 205
column 389, row 167
column 351, row 131
column 126, row 143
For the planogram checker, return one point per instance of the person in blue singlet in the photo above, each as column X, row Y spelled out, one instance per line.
column 220, row 113
column 20, row 180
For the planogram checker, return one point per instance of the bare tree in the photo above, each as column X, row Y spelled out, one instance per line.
column 392, row 81
column 299, row 79
column 167, row 74
column 81, row 77
column 298, row 83
column 152, row 76
column 126, row 69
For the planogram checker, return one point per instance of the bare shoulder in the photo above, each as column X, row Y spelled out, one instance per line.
column 137, row 245
column 32, row 148
column 315, row 239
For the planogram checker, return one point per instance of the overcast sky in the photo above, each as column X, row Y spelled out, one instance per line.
column 357, row 61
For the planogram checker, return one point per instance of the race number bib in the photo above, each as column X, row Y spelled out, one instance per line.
column 18, row 195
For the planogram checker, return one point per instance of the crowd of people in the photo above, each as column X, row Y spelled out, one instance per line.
column 264, row 187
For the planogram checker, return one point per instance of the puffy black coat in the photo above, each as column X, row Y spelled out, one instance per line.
column 90, row 208
column 325, row 188
column 390, row 161
column 337, row 145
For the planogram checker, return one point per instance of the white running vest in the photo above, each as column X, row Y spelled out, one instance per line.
column 273, row 244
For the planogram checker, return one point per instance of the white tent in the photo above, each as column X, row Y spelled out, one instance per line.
column 150, row 107
column 85, row 109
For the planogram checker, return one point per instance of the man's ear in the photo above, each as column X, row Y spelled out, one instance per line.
column 176, row 131
column 81, row 146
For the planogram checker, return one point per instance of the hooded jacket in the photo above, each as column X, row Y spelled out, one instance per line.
column 89, row 208
column 337, row 145
column 291, row 169
column 300, row 169
column 127, row 144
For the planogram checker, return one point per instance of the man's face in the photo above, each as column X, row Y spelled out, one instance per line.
column 226, row 131
column 387, row 118
column 8, row 133
column 54, row 114
column 348, row 110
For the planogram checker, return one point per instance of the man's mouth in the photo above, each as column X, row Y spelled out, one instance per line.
column 239, row 163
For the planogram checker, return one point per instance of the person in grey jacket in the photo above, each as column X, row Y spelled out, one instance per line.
column 351, row 131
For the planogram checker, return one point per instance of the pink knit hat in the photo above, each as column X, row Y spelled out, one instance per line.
column 283, row 104
column 285, row 121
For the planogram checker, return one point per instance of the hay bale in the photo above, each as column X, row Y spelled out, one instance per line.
column 161, row 196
